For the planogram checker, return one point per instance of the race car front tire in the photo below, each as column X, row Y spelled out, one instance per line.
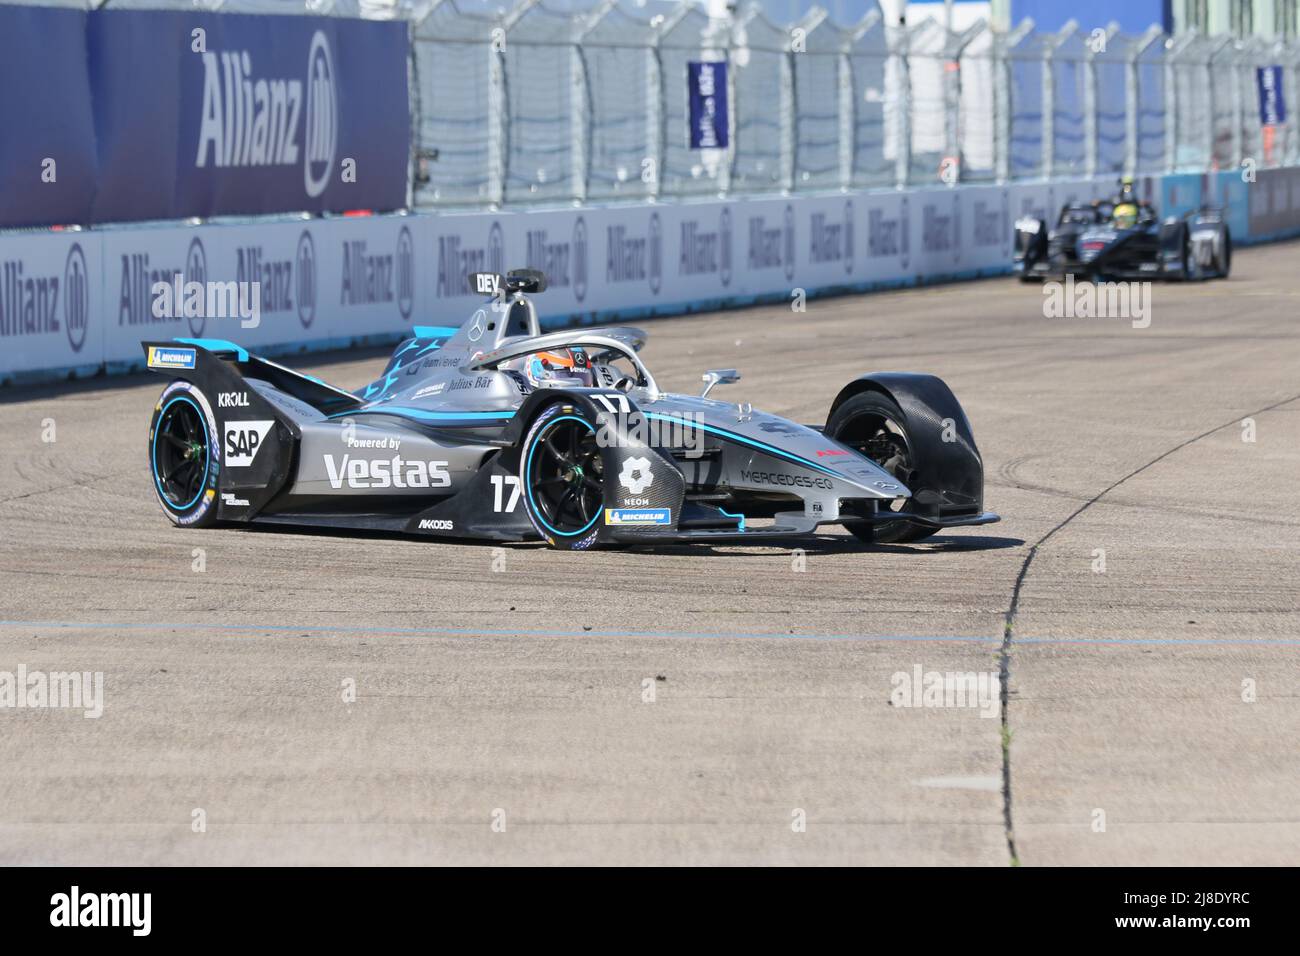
column 562, row 475
column 185, row 456
column 874, row 424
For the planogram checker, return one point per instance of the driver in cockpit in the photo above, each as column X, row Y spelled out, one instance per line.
column 554, row 368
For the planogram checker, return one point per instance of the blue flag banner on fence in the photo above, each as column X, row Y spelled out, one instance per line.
column 707, row 84
column 1272, row 101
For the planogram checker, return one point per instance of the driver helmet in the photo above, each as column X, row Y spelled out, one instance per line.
column 1126, row 215
column 556, row 368
column 1126, row 191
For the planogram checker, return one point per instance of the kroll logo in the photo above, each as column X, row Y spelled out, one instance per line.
column 831, row 241
column 370, row 279
column 251, row 120
column 458, row 261
column 76, row 297
column 635, row 258
column 305, row 284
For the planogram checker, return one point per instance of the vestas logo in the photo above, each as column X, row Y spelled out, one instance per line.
column 305, row 285
column 196, row 270
column 76, row 297
column 254, row 121
column 457, row 261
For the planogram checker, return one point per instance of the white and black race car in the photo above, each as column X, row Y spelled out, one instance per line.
column 496, row 431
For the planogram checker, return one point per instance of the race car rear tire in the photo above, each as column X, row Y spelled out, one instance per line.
column 184, row 456
column 562, row 476
column 874, row 424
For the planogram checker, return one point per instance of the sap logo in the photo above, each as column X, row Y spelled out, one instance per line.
column 392, row 473
column 243, row 440
column 435, row 524
column 253, row 121
column 232, row 400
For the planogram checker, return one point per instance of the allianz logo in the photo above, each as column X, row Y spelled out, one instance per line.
column 252, row 119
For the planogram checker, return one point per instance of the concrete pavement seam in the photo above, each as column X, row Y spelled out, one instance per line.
column 1013, row 608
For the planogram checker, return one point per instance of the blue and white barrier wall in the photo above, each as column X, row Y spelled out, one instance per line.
column 80, row 302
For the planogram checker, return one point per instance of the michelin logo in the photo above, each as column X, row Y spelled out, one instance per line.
column 170, row 358
column 626, row 516
column 251, row 120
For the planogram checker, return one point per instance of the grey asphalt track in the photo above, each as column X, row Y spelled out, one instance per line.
column 502, row 712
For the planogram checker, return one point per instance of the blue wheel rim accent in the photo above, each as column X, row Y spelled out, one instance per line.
column 207, row 453
column 528, row 471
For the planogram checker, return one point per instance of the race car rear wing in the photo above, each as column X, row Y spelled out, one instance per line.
column 180, row 355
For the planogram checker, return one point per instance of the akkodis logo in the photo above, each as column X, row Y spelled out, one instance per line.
column 251, row 119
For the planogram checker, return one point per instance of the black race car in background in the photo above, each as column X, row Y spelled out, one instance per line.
column 1118, row 239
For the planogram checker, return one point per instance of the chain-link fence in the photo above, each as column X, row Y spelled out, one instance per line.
column 543, row 105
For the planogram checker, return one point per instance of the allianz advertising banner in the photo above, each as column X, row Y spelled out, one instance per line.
column 118, row 116
column 218, row 114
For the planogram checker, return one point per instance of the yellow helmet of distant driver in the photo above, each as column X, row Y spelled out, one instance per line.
column 1126, row 215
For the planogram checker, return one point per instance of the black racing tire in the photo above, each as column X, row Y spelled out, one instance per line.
column 561, row 472
column 1226, row 264
column 185, row 456
column 873, row 423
